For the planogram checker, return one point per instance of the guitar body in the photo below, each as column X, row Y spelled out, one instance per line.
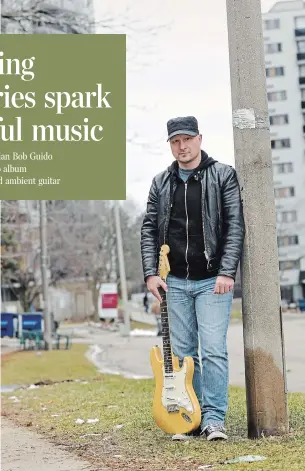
column 174, row 392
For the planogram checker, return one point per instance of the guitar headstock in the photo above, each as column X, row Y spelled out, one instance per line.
column 164, row 267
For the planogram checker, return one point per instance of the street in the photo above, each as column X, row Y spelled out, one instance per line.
column 131, row 355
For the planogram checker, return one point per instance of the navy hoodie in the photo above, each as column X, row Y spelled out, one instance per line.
column 185, row 231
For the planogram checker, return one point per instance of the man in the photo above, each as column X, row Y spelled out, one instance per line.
column 195, row 207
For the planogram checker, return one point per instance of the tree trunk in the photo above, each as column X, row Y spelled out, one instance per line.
column 95, row 293
column 24, row 301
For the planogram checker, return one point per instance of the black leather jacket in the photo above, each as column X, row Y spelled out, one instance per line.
column 222, row 216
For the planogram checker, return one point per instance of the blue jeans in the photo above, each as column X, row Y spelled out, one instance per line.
column 199, row 321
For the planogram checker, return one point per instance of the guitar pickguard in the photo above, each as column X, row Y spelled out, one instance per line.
column 174, row 390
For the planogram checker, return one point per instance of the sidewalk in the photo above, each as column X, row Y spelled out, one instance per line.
column 24, row 450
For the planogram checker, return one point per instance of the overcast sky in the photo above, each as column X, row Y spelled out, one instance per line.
column 187, row 73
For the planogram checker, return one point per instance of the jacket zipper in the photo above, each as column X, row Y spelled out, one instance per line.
column 187, row 231
column 168, row 213
column 204, row 238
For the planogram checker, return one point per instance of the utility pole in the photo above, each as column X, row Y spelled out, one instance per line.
column 262, row 317
column 43, row 253
column 126, row 328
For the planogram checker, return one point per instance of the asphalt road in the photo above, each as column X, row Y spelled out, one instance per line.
column 131, row 355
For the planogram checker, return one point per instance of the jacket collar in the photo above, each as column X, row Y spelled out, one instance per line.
column 205, row 162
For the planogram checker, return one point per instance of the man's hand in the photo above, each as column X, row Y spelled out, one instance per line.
column 223, row 285
column 153, row 283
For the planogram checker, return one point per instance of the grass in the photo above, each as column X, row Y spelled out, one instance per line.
column 127, row 437
column 26, row 367
column 236, row 316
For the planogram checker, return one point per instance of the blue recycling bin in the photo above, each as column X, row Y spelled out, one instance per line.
column 9, row 324
column 302, row 305
column 32, row 322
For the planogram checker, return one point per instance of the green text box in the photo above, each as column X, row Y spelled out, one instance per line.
column 72, row 143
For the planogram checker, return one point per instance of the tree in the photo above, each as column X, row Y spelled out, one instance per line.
column 81, row 245
column 81, row 237
column 131, row 221
column 82, row 242
column 9, row 263
column 17, row 273
column 46, row 17
column 39, row 17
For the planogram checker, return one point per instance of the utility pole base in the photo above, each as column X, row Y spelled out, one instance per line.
column 266, row 405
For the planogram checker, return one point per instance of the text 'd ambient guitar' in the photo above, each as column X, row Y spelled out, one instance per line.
column 175, row 405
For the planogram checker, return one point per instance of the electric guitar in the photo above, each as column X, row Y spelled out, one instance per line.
column 175, row 405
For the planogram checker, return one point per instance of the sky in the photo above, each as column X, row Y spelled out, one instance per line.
column 177, row 65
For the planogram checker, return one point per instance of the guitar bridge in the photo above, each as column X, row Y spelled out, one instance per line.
column 172, row 408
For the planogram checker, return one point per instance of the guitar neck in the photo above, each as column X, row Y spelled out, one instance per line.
column 167, row 351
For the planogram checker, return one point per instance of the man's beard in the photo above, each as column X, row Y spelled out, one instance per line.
column 186, row 158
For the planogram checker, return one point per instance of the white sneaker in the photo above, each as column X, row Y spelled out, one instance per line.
column 215, row 432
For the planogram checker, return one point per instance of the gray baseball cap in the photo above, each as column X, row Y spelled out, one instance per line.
column 182, row 125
